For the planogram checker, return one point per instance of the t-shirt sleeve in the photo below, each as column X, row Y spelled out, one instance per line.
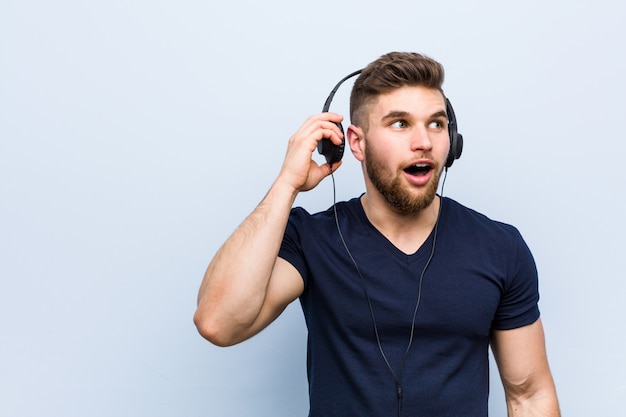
column 519, row 303
column 291, row 247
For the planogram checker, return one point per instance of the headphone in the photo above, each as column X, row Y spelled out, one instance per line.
column 334, row 153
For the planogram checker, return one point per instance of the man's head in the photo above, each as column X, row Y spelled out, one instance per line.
column 399, row 129
column 389, row 72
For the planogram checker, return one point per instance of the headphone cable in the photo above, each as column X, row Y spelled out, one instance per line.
column 397, row 378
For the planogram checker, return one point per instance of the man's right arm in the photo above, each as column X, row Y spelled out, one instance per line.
column 247, row 285
column 232, row 303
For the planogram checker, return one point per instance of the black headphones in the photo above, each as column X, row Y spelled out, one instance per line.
column 334, row 153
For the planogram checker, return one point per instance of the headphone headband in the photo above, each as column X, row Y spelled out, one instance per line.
column 332, row 93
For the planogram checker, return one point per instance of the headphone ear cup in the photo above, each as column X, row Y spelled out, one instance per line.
column 333, row 153
column 456, row 148
column 456, row 139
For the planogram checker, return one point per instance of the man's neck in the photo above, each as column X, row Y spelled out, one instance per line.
column 406, row 231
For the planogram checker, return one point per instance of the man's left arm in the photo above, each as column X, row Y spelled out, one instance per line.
column 523, row 364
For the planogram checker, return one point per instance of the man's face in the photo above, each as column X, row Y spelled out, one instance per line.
column 406, row 146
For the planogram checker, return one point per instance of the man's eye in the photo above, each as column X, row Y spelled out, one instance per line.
column 400, row 124
column 436, row 124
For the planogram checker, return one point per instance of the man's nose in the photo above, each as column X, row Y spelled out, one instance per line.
column 420, row 139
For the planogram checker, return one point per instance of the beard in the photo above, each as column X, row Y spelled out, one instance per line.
column 397, row 193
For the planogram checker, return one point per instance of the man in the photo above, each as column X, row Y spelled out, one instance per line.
column 403, row 291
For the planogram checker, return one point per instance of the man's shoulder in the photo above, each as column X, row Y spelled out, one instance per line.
column 300, row 214
column 466, row 218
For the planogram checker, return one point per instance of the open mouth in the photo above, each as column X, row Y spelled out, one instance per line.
column 418, row 170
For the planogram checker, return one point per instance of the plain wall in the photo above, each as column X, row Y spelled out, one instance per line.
column 136, row 135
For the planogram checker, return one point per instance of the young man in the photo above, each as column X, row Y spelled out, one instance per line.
column 403, row 291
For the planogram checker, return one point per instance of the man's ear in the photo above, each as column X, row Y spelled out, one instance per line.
column 355, row 136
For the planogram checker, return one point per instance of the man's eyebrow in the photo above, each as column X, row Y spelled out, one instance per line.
column 394, row 114
column 440, row 113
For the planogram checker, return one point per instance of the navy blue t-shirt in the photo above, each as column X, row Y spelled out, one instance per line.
column 482, row 276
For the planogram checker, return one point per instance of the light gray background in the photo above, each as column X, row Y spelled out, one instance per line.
column 136, row 135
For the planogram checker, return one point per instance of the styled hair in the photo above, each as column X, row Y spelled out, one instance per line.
column 390, row 72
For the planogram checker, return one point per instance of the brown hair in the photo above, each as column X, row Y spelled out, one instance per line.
column 387, row 73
